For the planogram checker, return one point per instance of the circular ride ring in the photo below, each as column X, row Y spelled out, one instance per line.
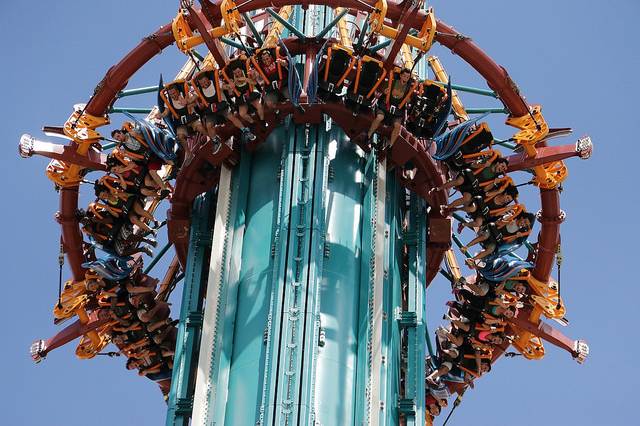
column 191, row 181
column 187, row 186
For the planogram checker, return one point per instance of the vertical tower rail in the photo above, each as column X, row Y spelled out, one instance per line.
column 413, row 319
column 216, row 297
column 182, row 384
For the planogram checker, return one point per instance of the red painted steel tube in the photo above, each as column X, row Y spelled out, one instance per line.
column 96, row 320
column 496, row 76
column 71, row 235
column 114, row 81
column 551, row 216
column 544, row 155
column 118, row 75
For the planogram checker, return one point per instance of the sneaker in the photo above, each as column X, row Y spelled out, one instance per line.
column 247, row 135
column 146, row 250
column 217, row 144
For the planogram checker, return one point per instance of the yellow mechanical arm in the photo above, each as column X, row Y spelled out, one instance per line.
column 422, row 41
column 187, row 38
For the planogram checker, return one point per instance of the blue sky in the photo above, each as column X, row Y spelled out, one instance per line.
column 579, row 59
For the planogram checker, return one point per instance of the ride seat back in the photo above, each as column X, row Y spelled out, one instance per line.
column 480, row 139
column 370, row 73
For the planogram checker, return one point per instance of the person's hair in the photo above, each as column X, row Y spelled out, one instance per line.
column 173, row 86
column 511, row 190
column 130, row 361
column 99, row 188
column 112, row 161
column 501, row 160
column 113, row 132
column 527, row 215
column 487, row 363
column 405, row 70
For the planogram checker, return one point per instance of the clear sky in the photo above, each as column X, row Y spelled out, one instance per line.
column 579, row 59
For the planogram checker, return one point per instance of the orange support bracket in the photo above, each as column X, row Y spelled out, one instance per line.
column 95, row 320
column 577, row 348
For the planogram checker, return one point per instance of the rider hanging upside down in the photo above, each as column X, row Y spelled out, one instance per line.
column 132, row 145
column 214, row 105
column 482, row 172
column 507, row 229
column 397, row 95
column 115, row 203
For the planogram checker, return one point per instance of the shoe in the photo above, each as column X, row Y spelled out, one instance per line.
column 247, row 135
column 146, row 250
column 432, row 382
column 152, row 242
column 217, row 144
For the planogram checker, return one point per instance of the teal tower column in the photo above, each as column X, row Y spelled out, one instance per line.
column 302, row 309
column 313, row 292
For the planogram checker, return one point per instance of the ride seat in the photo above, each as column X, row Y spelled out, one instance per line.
column 335, row 70
column 370, row 73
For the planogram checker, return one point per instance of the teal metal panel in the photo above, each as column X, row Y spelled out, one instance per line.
column 392, row 302
column 366, row 275
column 414, row 382
column 279, row 250
column 340, row 283
column 301, row 259
column 310, row 339
column 253, row 288
column 188, row 338
column 297, row 284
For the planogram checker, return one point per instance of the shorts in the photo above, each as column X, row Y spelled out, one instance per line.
column 247, row 98
column 155, row 164
column 392, row 114
column 216, row 113
column 275, row 95
column 184, row 120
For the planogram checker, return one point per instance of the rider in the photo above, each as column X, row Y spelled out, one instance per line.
column 397, row 93
column 181, row 110
column 273, row 73
column 243, row 88
column 216, row 105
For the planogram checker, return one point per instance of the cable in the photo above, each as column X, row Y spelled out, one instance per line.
column 60, row 264
column 559, row 260
column 455, row 405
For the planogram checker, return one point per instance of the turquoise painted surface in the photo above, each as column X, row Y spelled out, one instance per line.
column 340, row 284
column 301, row 213
column 254, row 285
column 188, row 338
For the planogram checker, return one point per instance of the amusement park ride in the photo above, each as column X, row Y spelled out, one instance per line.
column 310, row 161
